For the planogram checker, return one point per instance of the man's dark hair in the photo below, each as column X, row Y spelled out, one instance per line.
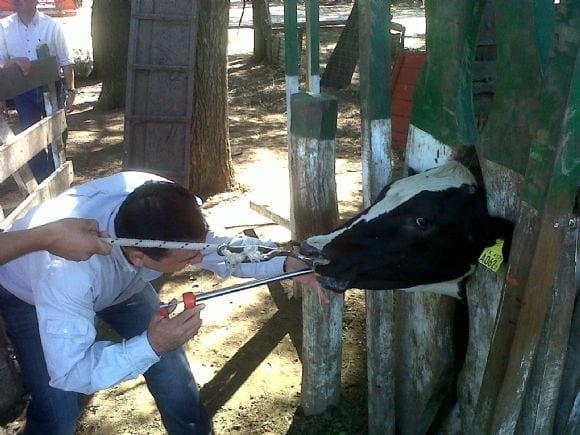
column 160, row 210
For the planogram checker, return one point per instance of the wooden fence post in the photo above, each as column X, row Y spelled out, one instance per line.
column 518, row 86
column 536, row 252
column 443, row 128
column 314, row 210
column 377, row 172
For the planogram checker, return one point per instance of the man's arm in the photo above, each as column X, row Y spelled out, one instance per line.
column 216, row 263
column 64, row 299
column 64, row 302
column 69, row 80
column 73, row 239
column 66, row 61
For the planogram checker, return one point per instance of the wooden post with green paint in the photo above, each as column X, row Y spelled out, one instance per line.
column 443, row 128
column 503, row 150
column 377, row 172
column 314, row 210
column 511, row 377
column 313, row 45
column 291, row 55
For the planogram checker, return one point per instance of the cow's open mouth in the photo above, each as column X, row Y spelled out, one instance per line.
column 315, row 256
column 336, row 285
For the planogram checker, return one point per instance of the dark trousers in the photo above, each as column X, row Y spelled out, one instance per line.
column 54, row 411
column 30, row 108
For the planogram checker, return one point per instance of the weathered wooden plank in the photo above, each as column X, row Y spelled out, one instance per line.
column 568, row 409
column 59, row 181
column 518, row 83
column 13, row 83
column 264, row 210
column 541, row 399
column 159, row 103
column 21, row 148
column 531, row 320
column 25, row 180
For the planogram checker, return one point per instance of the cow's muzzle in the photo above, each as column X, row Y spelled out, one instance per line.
column 316, row 256
column 318, row 260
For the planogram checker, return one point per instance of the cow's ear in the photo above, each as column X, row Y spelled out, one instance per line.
column 493, row 228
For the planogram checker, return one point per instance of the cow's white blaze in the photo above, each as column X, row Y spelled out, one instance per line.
column 424, row 152
column 451, row 175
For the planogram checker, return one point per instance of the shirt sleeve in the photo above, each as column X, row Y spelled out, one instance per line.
column 75, row 361
column 63, row 52
column 216, row 263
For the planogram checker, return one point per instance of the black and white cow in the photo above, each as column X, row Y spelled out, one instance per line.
column 423, row 233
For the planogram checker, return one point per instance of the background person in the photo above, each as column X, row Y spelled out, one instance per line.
column 21, row 34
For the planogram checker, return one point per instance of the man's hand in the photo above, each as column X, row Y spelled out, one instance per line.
column 309, row 280
column 74, row 239
column 166, row 335
column 70, row 99
column 23, row 63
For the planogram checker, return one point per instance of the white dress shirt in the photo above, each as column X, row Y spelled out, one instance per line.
column 67, row 294
column 19, row 40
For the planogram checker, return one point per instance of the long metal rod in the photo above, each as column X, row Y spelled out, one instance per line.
column 245, row 286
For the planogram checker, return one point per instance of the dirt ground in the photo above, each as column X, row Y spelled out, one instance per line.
column 246, row 358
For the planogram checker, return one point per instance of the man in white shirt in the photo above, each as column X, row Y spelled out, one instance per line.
column 21, row 35
column 49, row 304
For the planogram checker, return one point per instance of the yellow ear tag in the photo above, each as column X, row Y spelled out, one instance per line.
column 492, row 257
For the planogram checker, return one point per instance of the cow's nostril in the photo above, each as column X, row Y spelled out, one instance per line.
column 309, row 250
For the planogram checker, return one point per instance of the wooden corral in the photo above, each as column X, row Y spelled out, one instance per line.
column 15, row 152
column 519, row 373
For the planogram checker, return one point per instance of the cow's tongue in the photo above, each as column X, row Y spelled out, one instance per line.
column 336, row 285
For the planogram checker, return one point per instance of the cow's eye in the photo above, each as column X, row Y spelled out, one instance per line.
column 423, row 222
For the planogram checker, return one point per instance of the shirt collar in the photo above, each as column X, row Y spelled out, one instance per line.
column 33, row 22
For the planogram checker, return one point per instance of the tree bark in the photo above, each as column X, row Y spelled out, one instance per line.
column 210, row 148
column 262, row 30
column 110, row 34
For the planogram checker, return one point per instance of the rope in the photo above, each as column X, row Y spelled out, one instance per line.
column 161, row 244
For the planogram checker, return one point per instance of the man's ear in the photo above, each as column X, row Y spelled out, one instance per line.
column 135, row 256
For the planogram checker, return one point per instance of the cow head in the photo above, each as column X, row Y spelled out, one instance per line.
column 425, row 229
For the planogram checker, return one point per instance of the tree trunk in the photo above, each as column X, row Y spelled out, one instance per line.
column 262, row 30
column 110, row 34
column 342, row 63
column 211, row 170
